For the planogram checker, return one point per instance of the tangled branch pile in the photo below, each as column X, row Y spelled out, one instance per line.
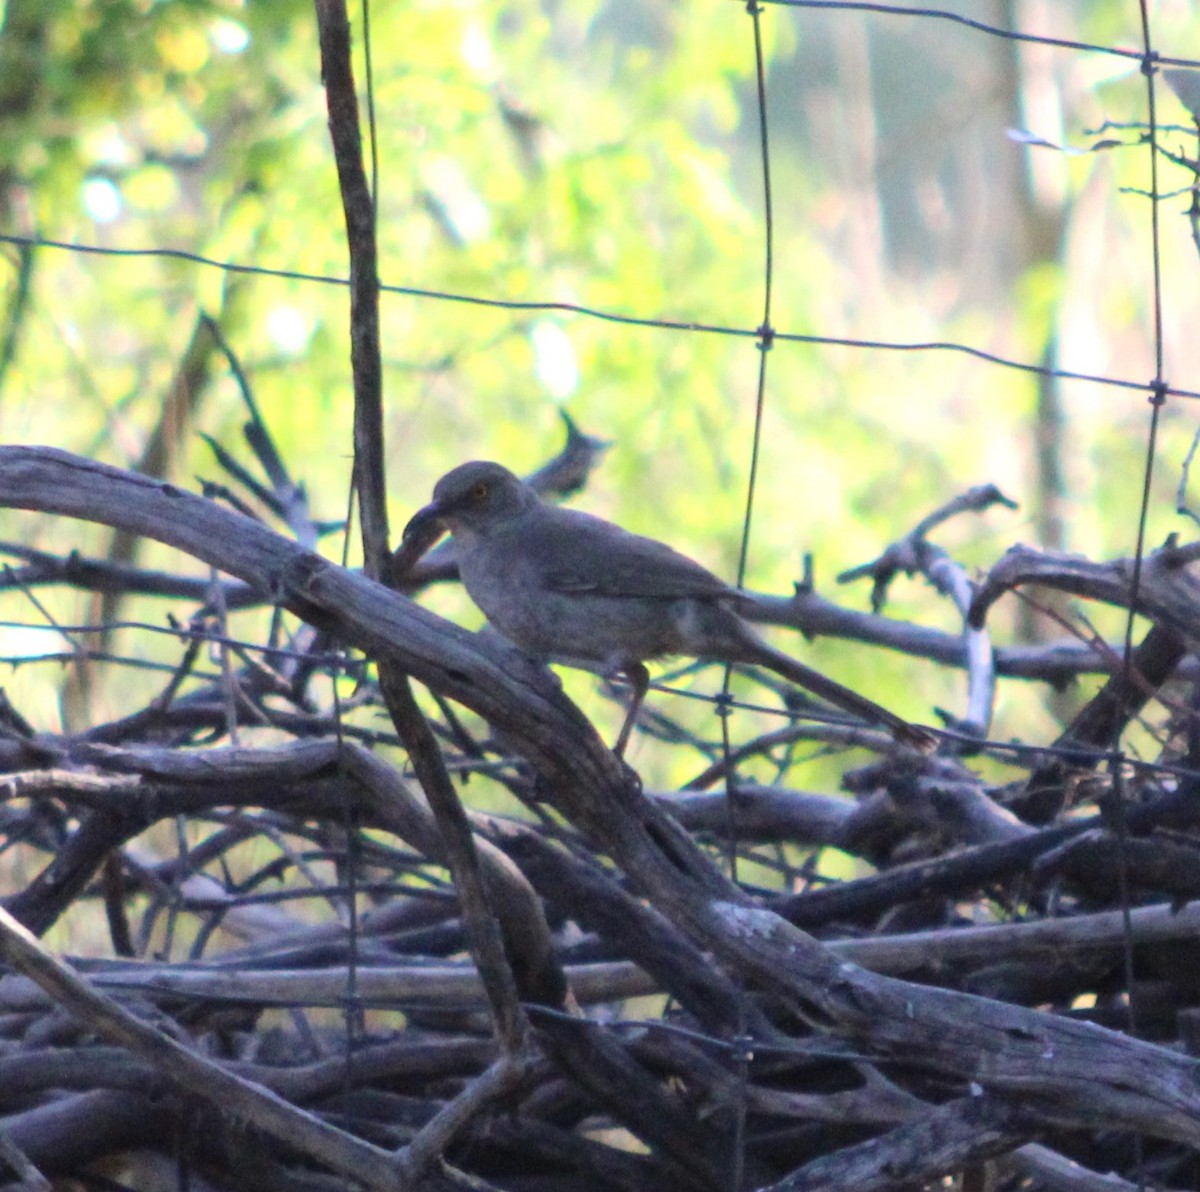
column 594, row 1003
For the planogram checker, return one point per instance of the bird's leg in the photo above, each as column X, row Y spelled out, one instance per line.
column 639, row 681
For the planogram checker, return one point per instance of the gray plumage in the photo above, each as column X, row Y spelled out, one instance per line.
column 569, row 587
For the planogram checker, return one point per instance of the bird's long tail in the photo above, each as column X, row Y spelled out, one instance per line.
column 759, row 653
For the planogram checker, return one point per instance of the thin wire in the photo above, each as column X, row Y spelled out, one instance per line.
column 1158, row 387
column 765, row 335
column 765, row 332
column 940, row 14
column 1158, row 399
column 608, row 316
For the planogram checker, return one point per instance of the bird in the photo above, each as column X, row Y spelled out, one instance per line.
column 566, row 586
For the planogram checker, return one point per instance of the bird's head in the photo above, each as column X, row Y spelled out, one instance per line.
column 474, row 497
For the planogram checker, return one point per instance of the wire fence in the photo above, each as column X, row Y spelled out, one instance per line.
column 737, row 1030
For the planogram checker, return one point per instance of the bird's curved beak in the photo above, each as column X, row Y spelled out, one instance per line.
column 424, row 528
column 425, row 524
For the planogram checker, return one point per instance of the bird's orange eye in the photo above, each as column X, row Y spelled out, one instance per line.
column 479, row 491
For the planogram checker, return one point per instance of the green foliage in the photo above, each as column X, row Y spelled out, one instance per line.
column 604, row 155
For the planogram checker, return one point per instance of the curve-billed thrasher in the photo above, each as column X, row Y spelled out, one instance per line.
column 572, row 588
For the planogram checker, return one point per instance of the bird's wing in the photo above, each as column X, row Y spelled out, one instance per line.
column 605, row 560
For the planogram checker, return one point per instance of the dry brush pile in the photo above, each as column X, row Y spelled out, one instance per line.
column 962, row 1008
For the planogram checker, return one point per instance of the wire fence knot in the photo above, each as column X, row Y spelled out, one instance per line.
column 722, row 704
